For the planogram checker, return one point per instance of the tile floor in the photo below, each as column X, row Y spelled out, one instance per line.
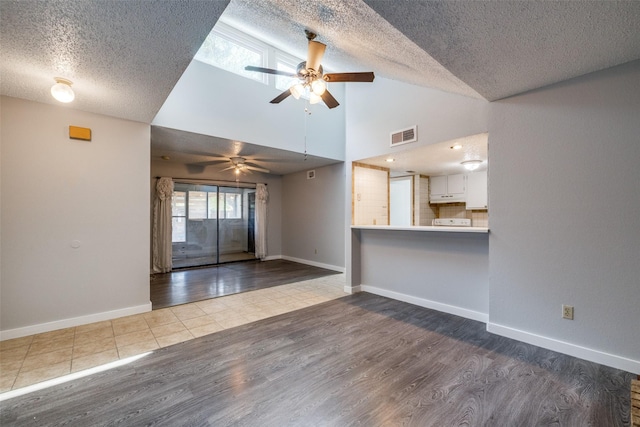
column 36, row 358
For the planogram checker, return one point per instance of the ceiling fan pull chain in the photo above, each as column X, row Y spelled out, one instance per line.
column 307, row 113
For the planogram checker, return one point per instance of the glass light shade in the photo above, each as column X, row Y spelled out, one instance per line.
column 314, row 99
column 62, row 90
column 318, row 86
column 471, row 165
column 297, row 90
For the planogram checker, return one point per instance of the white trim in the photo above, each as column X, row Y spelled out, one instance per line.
column 74, row 321
column 564, row 347
column 272, row 257
column 315, row 264
column 446, row 308
column 352, row 289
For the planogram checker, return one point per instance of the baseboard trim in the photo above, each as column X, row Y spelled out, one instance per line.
column 564, row 347
column 422, row 302
column 352, row 289
column 315, row 264
column 272, row 257
column 74, row 321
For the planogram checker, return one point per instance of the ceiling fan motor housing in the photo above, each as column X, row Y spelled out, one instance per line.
column 308, row 74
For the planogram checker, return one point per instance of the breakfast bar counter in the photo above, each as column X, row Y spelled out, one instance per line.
column 446, row 229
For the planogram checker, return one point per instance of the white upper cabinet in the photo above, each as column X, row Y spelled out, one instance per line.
column 447, row 189
column 477, row 190
column 455, row 184
column 438, row 185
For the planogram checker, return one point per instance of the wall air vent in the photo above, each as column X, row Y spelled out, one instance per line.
column 403, row 136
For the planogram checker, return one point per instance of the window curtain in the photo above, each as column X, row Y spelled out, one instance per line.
column 262, row 195
column 162, row 252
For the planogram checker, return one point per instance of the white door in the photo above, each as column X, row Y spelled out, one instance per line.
column 401, row 202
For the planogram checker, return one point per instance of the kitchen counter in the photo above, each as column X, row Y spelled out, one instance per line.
column 423, row 228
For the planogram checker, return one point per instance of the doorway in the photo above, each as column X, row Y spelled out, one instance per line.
column 211, row 224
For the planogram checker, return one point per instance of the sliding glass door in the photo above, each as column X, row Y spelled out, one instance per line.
column 211, row 225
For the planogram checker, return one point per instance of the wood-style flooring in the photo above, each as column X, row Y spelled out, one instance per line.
column 212, row 260
column 358, row 360
column 185, row 286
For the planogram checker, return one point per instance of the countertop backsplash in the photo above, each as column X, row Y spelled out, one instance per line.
column 457, row 210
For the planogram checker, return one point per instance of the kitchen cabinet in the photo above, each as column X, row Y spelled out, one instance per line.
column 477, row 190
column 447, row 188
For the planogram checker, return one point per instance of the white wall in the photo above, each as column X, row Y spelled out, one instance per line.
column 375, row 110
column 56, row 191
column 445, row 271
column 565, row 198
column 211, row 101
column 274, row 186
column 312, row 216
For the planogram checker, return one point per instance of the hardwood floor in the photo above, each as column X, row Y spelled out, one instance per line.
column 361, row 359
column 185, row 286
column 211, row 260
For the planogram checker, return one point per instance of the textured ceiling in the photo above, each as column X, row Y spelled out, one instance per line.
column 202, row 153
column 124, row 57
column 357, row 38
column 502, row 48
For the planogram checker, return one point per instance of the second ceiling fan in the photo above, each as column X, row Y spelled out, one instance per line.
column 310, row 76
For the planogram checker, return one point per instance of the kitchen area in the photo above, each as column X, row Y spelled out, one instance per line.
column 440, row 187
column 420, row 226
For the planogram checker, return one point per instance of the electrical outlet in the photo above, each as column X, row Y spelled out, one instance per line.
column 567, row 312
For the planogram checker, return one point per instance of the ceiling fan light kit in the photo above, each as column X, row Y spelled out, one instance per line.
column 311, row 76
column 240, row 164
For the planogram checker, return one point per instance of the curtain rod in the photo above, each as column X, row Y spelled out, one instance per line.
column 210, row 180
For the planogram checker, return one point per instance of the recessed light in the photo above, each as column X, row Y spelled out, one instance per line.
column 390, row 160
column 456, row 146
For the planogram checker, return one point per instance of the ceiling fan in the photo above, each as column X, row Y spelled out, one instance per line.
column 310, row 76
column 240, row 164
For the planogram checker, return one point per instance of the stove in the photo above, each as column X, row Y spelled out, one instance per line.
column 452, row 222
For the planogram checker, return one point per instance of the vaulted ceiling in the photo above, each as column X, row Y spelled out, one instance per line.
column 128, row 55
column 125, row 57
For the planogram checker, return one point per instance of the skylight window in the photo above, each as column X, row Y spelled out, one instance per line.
column 232, row 50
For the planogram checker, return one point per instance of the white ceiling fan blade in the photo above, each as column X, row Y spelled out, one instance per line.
column 314, row 56
column 257, row 169
column 226, row 169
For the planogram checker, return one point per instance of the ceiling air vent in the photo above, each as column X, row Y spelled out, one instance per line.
column 403, row 136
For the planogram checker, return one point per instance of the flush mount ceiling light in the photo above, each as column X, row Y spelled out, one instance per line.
column 471, row 165
column 456, row 146
column 390, row 160
column 62, row 91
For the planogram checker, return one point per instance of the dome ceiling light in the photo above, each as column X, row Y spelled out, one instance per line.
column 62, row 91
column 471, row 165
